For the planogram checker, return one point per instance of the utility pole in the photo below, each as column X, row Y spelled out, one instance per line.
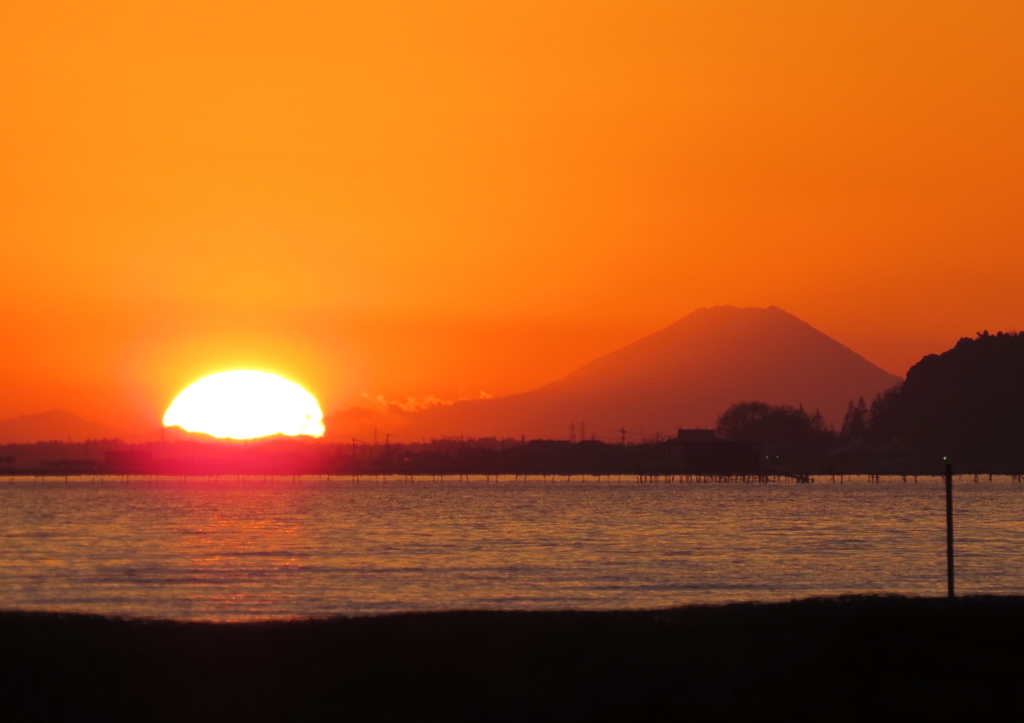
column 949, row 531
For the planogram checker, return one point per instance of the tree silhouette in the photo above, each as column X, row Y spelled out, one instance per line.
column 767, row 424
column 855, row 423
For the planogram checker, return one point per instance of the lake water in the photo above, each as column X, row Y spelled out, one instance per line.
column 254, row 549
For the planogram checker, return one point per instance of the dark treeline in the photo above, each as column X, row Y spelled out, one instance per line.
column 965, row 406
column 682, row 455
column 791, row 440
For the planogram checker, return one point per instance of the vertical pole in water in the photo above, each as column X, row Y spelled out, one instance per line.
column 949, row 530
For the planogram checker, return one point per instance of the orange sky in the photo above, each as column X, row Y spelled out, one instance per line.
column 445, row 198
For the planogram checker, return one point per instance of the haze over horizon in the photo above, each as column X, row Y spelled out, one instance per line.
column 412, row 201
column 685, row 375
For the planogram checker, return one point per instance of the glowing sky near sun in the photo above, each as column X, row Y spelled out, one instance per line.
column 403, row 199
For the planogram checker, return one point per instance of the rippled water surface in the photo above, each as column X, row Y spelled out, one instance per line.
column 254, row 549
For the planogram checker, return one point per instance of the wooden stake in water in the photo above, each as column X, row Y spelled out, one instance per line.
column 949, row 530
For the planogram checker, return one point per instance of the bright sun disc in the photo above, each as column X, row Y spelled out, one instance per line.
column 245, row 405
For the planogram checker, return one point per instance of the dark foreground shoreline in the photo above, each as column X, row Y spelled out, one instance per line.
column 831, row 659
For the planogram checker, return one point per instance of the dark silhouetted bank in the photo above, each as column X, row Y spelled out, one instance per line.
column 848, row 659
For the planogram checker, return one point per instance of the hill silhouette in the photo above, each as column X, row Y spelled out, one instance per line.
column 685, row 375
column 55, row 425
column 965, row 404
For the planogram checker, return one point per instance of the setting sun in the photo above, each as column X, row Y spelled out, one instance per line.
column 245, row 405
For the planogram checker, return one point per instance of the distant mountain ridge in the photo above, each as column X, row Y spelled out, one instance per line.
column 685, row 375
column 53, row 426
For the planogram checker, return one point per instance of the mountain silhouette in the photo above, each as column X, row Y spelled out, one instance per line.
column 685, row 375
column 55, row 425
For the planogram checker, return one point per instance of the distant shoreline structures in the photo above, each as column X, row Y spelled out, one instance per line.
column 692, row 454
